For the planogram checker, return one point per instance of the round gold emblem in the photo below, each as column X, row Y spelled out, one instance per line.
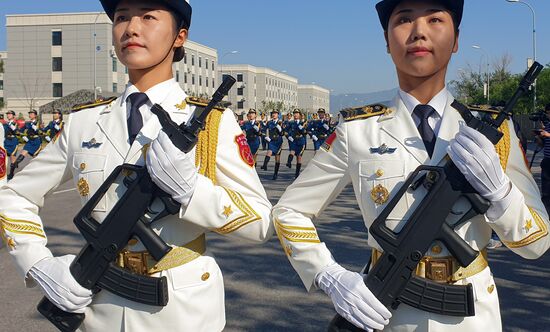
column 436, row 249
column 82, row 166
column 205, row 276
column 379, row 194
column 379, row 172
column 83, row 188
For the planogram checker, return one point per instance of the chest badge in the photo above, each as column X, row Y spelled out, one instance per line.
column 91, row 144
column 383, row 149
column 83, row 187
column 379, row 194
column 181, row 106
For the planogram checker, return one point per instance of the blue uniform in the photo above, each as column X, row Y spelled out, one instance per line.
column 10, row 141
column 275, row 136
column 52, row 129
column 297, row 130
column 252, row 131
column 320, row 129
column 263, row 131
column 31, row 135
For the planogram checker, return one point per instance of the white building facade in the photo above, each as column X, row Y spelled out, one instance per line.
column 311, row 97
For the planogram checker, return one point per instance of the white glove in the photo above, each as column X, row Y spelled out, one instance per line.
column 352, row 299
column 267, row 139
column 34, row 127
column 290, row 138
column 476, row 157
column 279, row 128
column 58, row 284
column 171, row 169
column 326, row 126
column 48, row 138
column 25, row 138
column 256, row 128
column 315, row 138
column 12, row 127
column 56, row 127
column 300, row 127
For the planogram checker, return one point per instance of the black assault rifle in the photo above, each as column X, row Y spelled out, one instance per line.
column 94, row 267
column 391, row 279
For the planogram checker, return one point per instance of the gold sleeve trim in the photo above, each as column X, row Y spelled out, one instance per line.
column 249, row 215
column 205, row 154
column 503, row 146
column 296, row 234
column 541, row 232
column 21, row 227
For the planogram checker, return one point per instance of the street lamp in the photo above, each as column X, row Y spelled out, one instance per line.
column 96, row 49
column 534, row 47
column 487, row 72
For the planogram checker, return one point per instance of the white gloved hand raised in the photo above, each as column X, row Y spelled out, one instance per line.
column 352, row 299
column 476, row 158
column 279, row 128
column 171, row 169
column 58, row 284
column 315, row 138
column 290, row 138
column 268, row 139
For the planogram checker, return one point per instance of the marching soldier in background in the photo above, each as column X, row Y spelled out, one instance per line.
column 252, row 129
column 274, row 138
column 11, row 140
column 216, row 184
column 287, row 118
column 263, row 130
column 3, row 161
column 320, row 129
column 54, row 127
column 375, row 148
column 296, row 134
column 31, row 136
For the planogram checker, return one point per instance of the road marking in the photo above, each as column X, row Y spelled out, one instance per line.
column 63, row 191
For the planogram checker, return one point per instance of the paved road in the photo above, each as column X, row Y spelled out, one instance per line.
column 263, row 293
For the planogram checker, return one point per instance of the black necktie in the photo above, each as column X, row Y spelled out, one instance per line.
column 135, row 122
column 423, row 113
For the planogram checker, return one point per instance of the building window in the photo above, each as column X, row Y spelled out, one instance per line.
column 1, row 84
column 200, row 80
column 185, row 58
column 206, row 81
column 193, row 79
column 192, row 60
column 115, row 87
column 177, row 75
column 239, row 77
column 240, row 91
column 206, row 63
column 115, row 65
column 56, row 38
column 200, row 62
column 212, row 64
column 240, row 105
column 57, row 64
column 125, row 70
column 213, row 85
column 57, row 89
column 185, row 78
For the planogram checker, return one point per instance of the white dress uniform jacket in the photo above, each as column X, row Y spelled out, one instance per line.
column 92, row 144
column 523, row 227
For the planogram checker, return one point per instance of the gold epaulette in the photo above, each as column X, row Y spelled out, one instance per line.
column 363, row 112
column 484, row 108
column 93, row 104
column 202, row 103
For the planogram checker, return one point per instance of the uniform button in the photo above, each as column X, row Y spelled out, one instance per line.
column 82, row 166
column 491, row 288
column 436, row 249
column 205, row 276
column 379, row 172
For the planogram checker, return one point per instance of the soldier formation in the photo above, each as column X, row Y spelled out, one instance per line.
column 213, row 186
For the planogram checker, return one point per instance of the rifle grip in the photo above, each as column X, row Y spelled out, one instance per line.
column 461, row 250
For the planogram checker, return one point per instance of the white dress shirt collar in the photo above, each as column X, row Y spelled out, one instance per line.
column 438, row 102
column 156, row 94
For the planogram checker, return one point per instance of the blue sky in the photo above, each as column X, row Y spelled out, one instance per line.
column 336, row 44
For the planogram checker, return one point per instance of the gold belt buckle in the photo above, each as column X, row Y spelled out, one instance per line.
column 136, row 262
column 439, row 269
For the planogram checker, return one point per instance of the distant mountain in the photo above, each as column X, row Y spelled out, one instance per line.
column 339, row 102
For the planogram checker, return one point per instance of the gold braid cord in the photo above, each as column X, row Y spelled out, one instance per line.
column 503, row 146
column 21, row 227
column 541, row 232
column 205, row 155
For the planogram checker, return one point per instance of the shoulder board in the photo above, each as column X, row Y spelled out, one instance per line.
column 202, row 103
column 92, row 104
column 484, row 108
column 363, row 112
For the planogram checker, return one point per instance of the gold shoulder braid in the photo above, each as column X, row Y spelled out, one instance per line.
column 503, row 146
column 363, row 112
column 81, row 107
column 207, row 145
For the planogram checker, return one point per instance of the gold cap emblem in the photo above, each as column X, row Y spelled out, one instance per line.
column 379, row 194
